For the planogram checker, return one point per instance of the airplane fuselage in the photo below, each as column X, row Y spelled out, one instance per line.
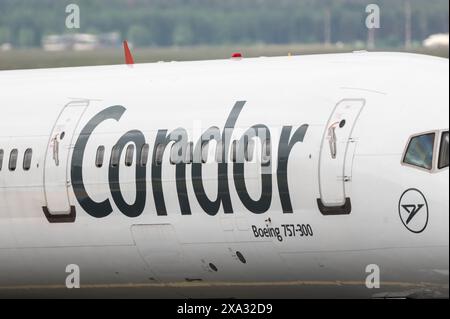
column 263, row 172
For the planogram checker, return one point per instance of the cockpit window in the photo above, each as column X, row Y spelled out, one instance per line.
column 420, row 151
column 444, row 153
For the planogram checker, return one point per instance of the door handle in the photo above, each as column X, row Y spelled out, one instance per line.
column 56, row 150
column 332, row 140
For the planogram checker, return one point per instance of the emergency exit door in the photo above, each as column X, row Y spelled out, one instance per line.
column 56, row 167
column 335, row 154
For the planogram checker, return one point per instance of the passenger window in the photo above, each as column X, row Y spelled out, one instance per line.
column 205, row 152
column 249, row 150
column 211, row 152
column 27, row 159
column 184, row 155
column 159, row 155
column 100, row 156
column 234, row 150
column 129, row 155
column 13, row 159
column 144, row 155
column 420, row 151
column 1, row 159
column 115, row 156
column 175, row 155
column 219, row 152
column 444, row 153
column 189, row 153
column 266, row 153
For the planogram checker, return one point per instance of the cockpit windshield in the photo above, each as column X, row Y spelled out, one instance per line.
column 420, row 151
column 444, row 152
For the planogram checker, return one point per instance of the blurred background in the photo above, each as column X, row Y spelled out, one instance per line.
column 34, row 34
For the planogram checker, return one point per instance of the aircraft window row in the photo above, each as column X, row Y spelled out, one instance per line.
column 423, row 151
column 129, row 156
column 14, row 158
column 249, row 152
column 211, row 154
column 185, row 154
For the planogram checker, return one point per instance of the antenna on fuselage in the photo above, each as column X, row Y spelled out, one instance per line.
column 129, row 60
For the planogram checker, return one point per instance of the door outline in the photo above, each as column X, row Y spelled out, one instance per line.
column 171, row 254
column 70, row 216
column 346, row 207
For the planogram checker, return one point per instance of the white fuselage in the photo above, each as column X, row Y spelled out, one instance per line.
column 315, row 210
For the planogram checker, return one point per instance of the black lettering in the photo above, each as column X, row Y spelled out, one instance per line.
column 223, row 195
column 137, row 208
column 102, row 209
column 255, row 231
column 286, row 145
column 263, row 204
column 162, row 140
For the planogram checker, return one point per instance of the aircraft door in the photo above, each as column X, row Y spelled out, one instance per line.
column 56, row 165
column 161, row 250
column 335, row 154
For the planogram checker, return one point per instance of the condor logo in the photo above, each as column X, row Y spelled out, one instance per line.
column 413, row 210
column 178, row 137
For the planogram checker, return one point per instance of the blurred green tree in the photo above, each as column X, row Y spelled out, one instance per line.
column 139, row 36
column 26, row 38
column 183, row 35
column 194, row 22
column 5, row 35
